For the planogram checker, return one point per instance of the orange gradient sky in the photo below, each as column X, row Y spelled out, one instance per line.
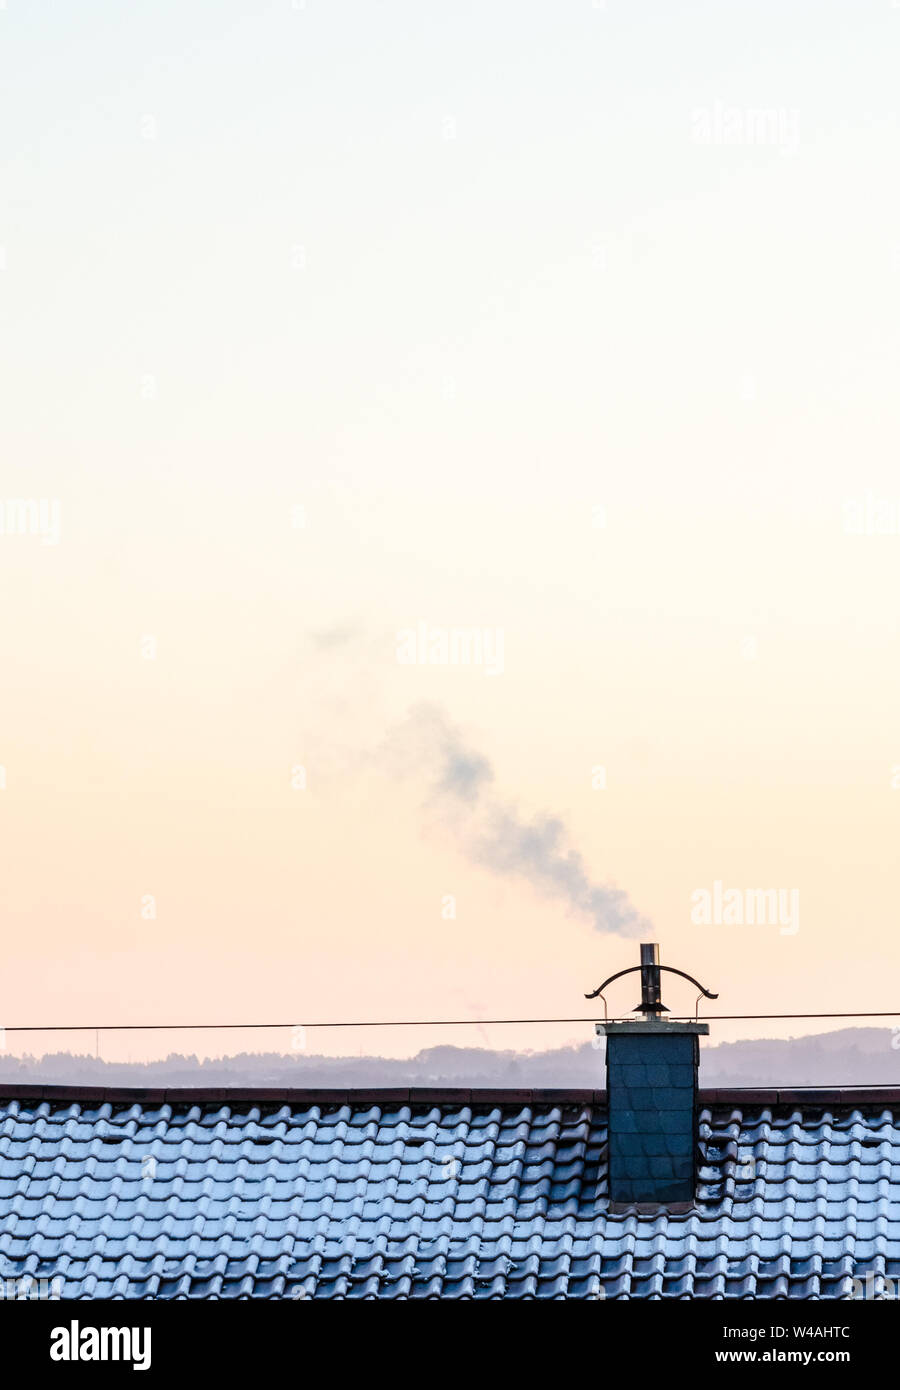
column 319, row 322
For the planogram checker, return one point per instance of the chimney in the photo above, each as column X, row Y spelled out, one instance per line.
column 651, row 1084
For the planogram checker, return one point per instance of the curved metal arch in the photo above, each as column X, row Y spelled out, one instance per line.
column 618, row 975
column 707, row 993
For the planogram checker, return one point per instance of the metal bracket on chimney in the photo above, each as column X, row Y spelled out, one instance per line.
column 651, row 1004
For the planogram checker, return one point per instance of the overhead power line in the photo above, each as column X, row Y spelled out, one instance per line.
column 406, row 1023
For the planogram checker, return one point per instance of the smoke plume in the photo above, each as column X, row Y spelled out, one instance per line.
column 493, row 834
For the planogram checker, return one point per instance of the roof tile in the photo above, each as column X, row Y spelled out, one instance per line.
column 427, row 1194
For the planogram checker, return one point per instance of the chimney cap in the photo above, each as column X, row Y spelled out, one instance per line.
column 626, row 1026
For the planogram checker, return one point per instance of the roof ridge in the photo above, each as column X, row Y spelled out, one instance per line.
column 488, row 1095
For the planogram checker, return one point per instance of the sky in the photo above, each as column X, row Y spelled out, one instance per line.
column 336, row 339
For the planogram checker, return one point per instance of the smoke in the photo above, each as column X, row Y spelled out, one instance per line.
column 492, row 833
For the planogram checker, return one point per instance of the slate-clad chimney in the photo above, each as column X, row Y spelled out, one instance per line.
column 652, row 1065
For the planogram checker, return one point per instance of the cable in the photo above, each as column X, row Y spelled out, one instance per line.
column 408, row 1023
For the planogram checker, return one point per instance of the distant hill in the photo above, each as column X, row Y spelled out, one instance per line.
column 852, row 1056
